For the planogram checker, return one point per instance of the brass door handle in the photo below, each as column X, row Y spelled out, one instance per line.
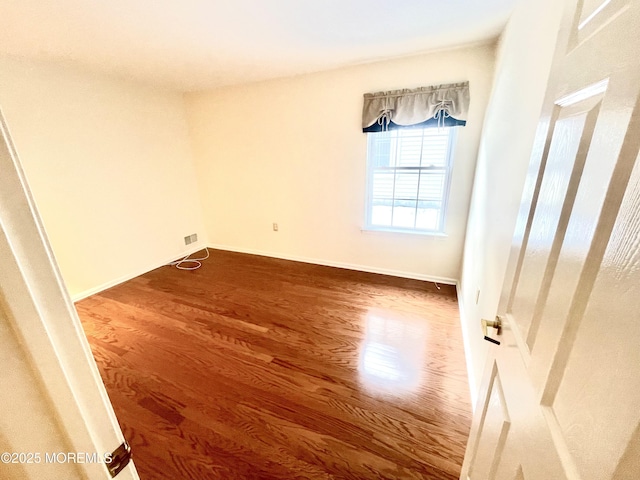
column 497, row 324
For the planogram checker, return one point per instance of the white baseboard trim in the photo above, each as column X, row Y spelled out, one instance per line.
column 348, row 266
column 466, row 340
column 100, row 288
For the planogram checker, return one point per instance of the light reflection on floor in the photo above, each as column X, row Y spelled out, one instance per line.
column 393, row 353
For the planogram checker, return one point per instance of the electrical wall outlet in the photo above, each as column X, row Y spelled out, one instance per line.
column 275, row 227
column 189, row 239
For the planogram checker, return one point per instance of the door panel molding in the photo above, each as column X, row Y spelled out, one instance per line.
column 494, row 422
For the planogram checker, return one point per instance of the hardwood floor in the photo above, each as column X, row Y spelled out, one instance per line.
column 258, row 368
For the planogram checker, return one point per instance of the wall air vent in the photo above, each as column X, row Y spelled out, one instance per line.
column 189, row 239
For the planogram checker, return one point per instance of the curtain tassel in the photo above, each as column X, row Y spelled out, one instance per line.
column 442, row 112
column 384, row 119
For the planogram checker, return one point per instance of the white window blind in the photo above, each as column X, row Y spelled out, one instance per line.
column 408, row 173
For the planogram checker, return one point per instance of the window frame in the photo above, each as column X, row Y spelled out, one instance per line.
column 448, row 173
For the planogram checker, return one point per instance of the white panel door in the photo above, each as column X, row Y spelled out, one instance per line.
column 56, row 421
column 561, row 394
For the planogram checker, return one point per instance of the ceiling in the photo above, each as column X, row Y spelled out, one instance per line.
column 198, row 44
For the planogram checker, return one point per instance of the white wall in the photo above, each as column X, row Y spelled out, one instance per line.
column 292, row 151
column 110, row 166
column 524, row 61
column 32, row 429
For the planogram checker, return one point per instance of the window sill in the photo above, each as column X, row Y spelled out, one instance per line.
column 391, row 231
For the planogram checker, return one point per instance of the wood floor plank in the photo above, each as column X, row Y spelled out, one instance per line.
column 252, row 367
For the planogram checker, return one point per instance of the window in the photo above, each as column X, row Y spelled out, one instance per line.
column 411, row 133
column 408, row 173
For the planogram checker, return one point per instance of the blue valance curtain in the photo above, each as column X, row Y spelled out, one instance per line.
column 436, row 106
